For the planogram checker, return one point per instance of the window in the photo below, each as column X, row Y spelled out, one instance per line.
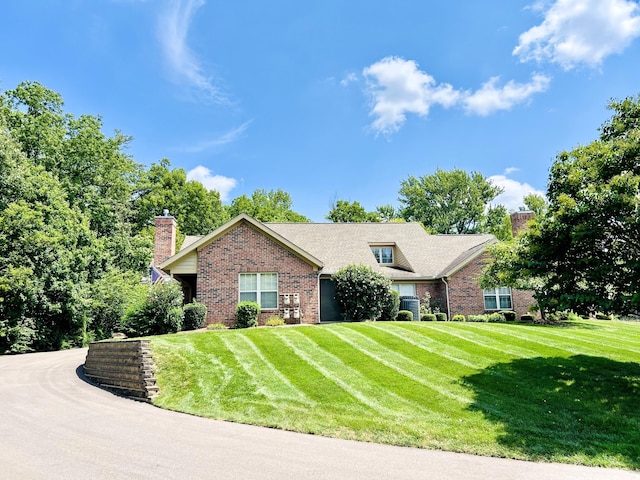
column 497, row 298
column 405, row 289
column 261, row 288
column 384, row 255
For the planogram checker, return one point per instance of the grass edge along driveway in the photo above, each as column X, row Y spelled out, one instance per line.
column 566, row 394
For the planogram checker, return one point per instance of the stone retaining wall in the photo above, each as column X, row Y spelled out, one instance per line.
column 124, row 366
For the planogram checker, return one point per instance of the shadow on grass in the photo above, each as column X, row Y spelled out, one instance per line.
column 583, row 407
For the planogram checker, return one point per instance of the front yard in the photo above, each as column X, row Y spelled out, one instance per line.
column 567, row 394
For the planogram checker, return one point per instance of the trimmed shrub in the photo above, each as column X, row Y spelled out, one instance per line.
column 509, row 316
column 496, row 317
column 391, row 307
column 275, row 321
column 527, row 317
column 217, row 326
column 247, row 314
column 458, row 318
column 404, row 316
column 441, row 317
column 158, row 312
column 195, row 314
column 477, row 318
column 428, row 317
column 362, row 293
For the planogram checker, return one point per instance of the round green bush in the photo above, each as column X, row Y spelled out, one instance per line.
column 362, row 293
column 404, row 316
column 247, row 314
column 195, row 314
column 441, row 317
column 156, row 313
column 458, row 318
column 391, row 306
column 428, row 317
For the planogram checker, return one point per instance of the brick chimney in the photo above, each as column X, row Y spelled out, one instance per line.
column 519, row 221
column 164, row 244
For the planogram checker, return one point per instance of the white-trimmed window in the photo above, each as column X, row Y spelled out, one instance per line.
column 405, row 289
column 497, row 298
column 261, row 288
column 384, row 255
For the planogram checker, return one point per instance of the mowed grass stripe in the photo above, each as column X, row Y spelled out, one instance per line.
column 507, row 338
column 542, row 335
column 408, row 333
column 266, row 377
column 503, row 349
column 352, row 381
column 431, row 378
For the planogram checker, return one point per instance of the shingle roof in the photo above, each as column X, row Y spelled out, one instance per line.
column 341, row 244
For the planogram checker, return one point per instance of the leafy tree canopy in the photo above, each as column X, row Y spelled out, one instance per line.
column 198, row 211
column 448, row 201
column 583, row 251
column 344, row 211
column 271, row 206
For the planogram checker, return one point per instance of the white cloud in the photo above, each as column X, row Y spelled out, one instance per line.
column 349, row 78
column 222, row 184
column 398, row 87
column 576, row 32
column 491, row 97
column 510, row 170
column 514, row 192
column 173, row 29
column 221, row 140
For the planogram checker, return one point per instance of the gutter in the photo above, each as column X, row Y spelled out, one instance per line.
column 448, row 303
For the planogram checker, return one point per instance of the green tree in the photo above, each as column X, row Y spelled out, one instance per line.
column 271, row 206
column 343, row 211
column 448, row 201
column 583, row 254
column 536, row 203
column 498, row 223
column 198, row 211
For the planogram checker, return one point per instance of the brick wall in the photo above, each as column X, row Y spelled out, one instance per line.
column 466, row 295
column 244, row 249
column 125, row 367
column 164, row 245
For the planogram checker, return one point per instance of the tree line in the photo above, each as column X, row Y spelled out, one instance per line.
column 76, row 214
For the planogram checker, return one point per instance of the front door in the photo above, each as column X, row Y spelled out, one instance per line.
column 330, row 310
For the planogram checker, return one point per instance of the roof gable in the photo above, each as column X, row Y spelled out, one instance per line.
column 261, row 227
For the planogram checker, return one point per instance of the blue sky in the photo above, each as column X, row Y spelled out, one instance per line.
column 334, row 99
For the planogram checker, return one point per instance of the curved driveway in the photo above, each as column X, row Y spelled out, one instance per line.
column 55, row 425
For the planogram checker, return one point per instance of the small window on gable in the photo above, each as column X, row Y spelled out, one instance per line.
column 384, row 255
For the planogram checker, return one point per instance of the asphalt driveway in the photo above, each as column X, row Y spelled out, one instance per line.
column 55, row 425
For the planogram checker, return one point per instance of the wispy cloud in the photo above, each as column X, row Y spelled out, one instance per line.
column 220, row 140
column 349, row 78
column 514, row 192
column 223, row 185
column 491, row 97
column 397, row 87
column 185, row 67
column 580, row 32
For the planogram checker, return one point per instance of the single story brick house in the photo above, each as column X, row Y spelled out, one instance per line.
column 287, row 267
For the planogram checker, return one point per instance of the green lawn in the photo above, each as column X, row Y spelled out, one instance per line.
column 566, row 393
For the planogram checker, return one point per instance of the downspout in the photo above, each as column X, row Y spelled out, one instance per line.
column 446, row 288
column 319, row 296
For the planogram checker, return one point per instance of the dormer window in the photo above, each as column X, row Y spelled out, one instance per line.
column 384, row 255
